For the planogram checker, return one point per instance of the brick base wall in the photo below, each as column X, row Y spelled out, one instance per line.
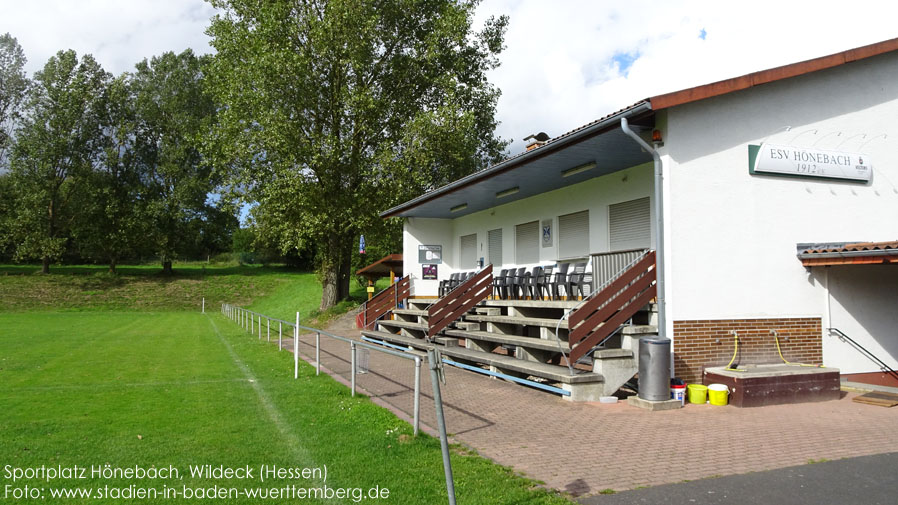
column 705, row 343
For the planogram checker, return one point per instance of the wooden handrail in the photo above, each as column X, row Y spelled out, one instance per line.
column 458, row 301
column 603, row 312
column 385, row 301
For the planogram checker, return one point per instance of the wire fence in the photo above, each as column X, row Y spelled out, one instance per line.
column 252, row 322
column 269, row 327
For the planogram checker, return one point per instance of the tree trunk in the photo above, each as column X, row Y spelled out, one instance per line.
column 112, row 263
column 45, row 265
column 166, row 267
column 335, row 272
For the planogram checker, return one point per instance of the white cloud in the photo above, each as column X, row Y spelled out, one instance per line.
column 118, row 33
column 563, row 64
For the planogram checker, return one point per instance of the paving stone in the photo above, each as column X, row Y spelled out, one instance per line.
column 584, row 448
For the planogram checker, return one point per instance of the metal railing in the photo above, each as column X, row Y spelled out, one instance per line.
column 251, row 320
column 863, row 350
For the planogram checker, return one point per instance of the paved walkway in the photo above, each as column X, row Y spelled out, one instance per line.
column 584, row 448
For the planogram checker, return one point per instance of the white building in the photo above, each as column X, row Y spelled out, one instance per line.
column 754, row 241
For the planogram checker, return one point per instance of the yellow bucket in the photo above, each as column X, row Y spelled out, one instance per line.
column 697, row 393
column 718, row 393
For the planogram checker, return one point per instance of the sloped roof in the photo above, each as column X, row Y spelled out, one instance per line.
column 723, row 87
column 848, row 253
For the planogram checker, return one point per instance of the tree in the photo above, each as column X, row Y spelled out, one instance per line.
column 333, row 110
column 112, row 218
column 54, row 149
column 13, row 85
column 175, row 112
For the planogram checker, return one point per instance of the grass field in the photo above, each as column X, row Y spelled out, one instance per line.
column 132, row 389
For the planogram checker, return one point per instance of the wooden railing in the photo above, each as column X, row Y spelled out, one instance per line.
column 604, row 311
column 458, row 301
column 383, row 302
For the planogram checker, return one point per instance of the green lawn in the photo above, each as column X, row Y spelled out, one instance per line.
column 160, row 389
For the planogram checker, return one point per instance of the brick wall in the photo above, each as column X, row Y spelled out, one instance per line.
column 705, row 343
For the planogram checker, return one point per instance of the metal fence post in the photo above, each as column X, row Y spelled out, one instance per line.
column 318, row 353
column 260, row 326
column 296, row 348
column 204, row 305
column 352, row 352
column 417, row 410
column 280, row 336
column 436, row 371
column 268, row 328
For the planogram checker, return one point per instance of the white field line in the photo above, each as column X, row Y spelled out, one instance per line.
column 277, row 418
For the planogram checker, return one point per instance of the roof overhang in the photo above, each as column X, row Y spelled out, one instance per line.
column 848, row 253
column 383, row 267
column 593, row 150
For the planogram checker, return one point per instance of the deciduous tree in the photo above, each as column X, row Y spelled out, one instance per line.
column 55, row 147
column 175, row 112
column 334, row 110
column 13, row 85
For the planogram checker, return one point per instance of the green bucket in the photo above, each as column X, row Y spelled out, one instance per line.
column 697, row 393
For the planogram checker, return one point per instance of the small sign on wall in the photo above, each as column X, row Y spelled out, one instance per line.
column 432, row 254
column 775, row 159
column 546, row 232
column 429, row 272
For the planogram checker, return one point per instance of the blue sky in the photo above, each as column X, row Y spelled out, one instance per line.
column 566, row 63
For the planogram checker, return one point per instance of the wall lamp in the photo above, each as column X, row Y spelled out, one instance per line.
column 508, row 192
column 461, row 206
column 578, row 169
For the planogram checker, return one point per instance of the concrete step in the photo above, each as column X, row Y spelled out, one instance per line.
column 532, row 342
column 415, row 343
column 488, row 311
column 543, row 370
column 519, row 320
column 539, row 304
column 410, row 312
column 409, row 325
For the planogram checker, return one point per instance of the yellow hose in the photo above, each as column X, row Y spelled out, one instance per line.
column 777, row 340
column 735, row 351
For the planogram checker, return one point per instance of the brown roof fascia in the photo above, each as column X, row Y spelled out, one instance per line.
column 770, row 75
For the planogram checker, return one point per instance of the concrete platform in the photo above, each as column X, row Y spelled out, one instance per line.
column 635, row 401
column 760, row 385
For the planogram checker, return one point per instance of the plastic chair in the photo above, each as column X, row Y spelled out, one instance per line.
column 543, row 283
column 499, row 283
column 530, row 283
column 560, row 280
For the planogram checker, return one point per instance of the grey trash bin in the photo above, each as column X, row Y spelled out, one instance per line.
column 654, row 368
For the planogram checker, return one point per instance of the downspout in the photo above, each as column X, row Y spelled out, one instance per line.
column 659, row 225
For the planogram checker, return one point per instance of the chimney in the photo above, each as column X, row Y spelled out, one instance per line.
column 536, row 140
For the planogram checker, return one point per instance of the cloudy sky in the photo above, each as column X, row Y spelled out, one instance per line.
column 567, row 62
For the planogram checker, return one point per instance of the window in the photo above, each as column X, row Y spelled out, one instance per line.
column 630, row 225
column 526, row 243
column 468, row 258
column 573, row 235
column 494, row 240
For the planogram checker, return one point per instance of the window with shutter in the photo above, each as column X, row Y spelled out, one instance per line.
column 526, row 243
column 494, row 239
column 630, row 225
column 573, row 235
